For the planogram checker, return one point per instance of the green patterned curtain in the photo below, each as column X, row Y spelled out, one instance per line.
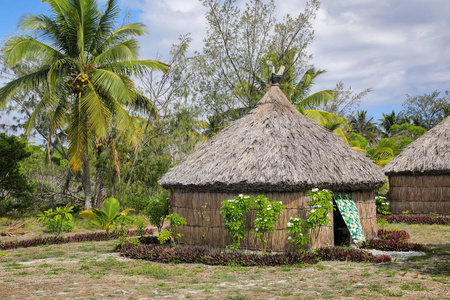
column 349, row 212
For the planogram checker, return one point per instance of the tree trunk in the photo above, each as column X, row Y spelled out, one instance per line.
column 86, row 180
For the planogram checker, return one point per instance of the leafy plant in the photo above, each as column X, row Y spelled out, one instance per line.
column 157, row 209
column 321, row 206
column 57, row 220
column 234, row 212
column 172, row 234
column 106, row 217
column 383, row 223
column 382, row 204
column 266, row 218
column 298, row 232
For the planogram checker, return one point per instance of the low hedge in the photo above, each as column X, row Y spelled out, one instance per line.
column 392, row 240
column 420, row 219
column 167, row 253
column 85, row 237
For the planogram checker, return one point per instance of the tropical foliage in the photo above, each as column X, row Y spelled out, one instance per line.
column 83, row 67
column 106, row 217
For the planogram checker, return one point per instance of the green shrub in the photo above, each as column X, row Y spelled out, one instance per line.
column 158, row 208
column 57, row 220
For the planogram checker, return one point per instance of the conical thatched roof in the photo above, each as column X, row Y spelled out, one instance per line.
column 429, row 154
column 274, row 148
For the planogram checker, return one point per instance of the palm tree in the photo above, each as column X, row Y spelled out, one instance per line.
column 364, row 126
column 84, row 67
column 388, row 121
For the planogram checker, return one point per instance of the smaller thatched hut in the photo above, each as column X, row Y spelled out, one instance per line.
column 419, row 178
column 276, row 151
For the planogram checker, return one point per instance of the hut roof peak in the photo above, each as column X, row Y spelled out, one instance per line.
column 274, row 148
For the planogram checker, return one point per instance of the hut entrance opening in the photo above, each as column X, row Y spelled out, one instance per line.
column 340, row 230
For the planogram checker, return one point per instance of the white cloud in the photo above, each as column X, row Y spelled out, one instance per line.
column 394, row 47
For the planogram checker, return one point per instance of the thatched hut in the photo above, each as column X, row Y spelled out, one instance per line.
column 419, row 178
column 276, row 151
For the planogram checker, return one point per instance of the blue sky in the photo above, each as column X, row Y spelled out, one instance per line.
column 395, row 47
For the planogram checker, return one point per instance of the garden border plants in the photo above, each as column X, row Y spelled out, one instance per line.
column 419, row 219
column 85, row 237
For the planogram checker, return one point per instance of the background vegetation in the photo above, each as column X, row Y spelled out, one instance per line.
column 138, row 117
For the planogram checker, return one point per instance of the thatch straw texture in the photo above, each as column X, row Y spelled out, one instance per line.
column 205, row 223
column 274, row 148
column 429, row 154
column 420, row 194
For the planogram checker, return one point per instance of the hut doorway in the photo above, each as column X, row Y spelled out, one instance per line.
column 340, row 230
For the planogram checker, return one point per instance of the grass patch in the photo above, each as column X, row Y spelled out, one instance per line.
column 416, row 286
column 149, row 270
column 22, row 274
column 225, row 276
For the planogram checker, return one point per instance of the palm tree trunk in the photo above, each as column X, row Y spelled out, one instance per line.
column 86, row 180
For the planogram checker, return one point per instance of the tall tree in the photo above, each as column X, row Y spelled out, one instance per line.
column 237, row 43
column 427, row 110
column 84, row 66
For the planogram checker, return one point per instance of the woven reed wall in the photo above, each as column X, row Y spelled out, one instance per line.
column 420, row 194
column 205, row 223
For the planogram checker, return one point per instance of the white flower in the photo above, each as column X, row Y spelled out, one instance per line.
column 269, row 208
column 301, row 233
column 256, row 229
column 265, row 220
column 246, row 197
column 240, row 195
column 313, row 210
column 289, row 224
column 314, row 190
column 289, row 238
column 280, row 202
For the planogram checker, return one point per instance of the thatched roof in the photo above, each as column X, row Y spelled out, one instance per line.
column 274, row 148
column 429, row 154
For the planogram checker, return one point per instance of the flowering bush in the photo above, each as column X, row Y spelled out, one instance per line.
column 266, row 217
column 298, row 230
column 382, row 204
column 234, row 212
column 321, row 205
